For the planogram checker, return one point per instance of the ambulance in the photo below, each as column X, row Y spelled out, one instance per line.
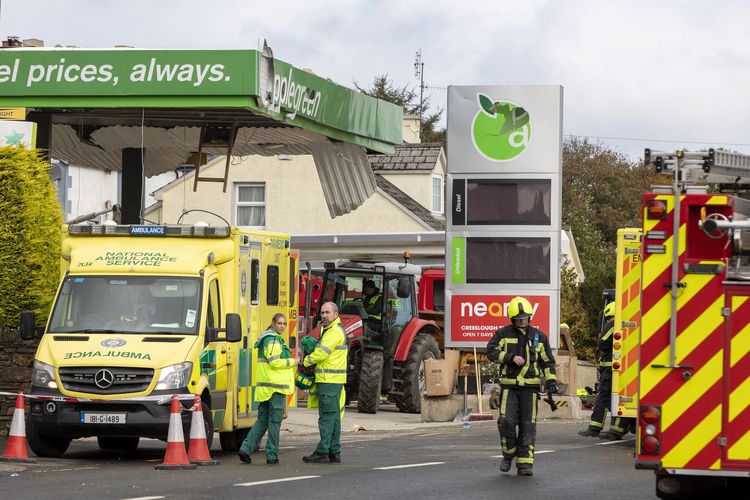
column 144, row 312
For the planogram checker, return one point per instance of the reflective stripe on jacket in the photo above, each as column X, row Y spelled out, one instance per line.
column 509, row 342
column 275, row 367
column 329, row 355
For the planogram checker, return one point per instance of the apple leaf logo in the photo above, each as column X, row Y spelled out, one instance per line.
column 501, row 130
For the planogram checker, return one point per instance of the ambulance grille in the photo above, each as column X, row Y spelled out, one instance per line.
column 163, row 339
column 123, row 380
column 69, row 338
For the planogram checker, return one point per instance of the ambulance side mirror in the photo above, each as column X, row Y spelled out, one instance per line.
column 234, row 327
column 28, row 330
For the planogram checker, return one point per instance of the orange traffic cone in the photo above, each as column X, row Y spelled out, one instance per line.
column 15, row 449
column 176, row 456
column 198, row 452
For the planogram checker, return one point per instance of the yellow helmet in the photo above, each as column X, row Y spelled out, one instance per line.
column 519, row 308
column 609, row 310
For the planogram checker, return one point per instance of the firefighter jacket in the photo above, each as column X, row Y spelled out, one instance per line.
column 604, row 343
column 329, row 355
column 532, row 346
column 276, row 367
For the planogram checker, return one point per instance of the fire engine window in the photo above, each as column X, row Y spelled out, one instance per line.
column 213, row 313
column 254, row 281
column 507, row 260
column 272, row 285
column 508, row 201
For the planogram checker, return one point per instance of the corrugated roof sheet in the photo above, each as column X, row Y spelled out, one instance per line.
column 414, row 157
column 345, row 175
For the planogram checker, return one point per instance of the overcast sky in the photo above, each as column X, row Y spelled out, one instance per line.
column 653, row 70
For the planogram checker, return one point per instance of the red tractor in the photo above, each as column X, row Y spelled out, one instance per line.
column 388, row 341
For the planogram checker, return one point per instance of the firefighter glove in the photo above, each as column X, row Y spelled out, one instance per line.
column 552, row 387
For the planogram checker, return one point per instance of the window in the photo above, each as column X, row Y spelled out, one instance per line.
column 254, row 280
column 213, row 311
column 437, row 193
column 251, row 205
column 292, row 283
column 272, row 285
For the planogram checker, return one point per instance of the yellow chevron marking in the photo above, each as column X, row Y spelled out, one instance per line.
column 661, row 312
column 688, row 340
column 692, row 390
column 740, row 450
column 740, row 345
column 694, row 441
column 716, row 465
column 738, row 399
column 657, row 264
column 717, row 200
column 738, row 300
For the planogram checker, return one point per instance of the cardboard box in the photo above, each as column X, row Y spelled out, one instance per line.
column 440, row 374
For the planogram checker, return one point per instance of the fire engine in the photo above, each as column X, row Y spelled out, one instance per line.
column 694, row 346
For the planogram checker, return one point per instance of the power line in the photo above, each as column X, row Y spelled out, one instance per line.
column 638, row 139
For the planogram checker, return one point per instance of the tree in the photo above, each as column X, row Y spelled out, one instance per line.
column 602, row 192
column 383, row 88
column 29, row 236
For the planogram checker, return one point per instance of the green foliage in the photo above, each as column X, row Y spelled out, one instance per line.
column 602, row 192
column 407, row 97
column 29, row 236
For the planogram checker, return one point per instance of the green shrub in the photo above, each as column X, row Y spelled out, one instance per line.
column 29, row 236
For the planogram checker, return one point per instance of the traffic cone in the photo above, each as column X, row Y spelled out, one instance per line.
column 198, row 451
column 15, row 449
column 176, row 456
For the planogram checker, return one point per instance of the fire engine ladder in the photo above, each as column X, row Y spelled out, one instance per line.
column 712, row 166
column 215, row 137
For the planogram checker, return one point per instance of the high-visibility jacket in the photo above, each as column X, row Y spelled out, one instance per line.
column 509, row 342
column 604, row 344
column 329, row 355
column 275, row 366
column 373, row 305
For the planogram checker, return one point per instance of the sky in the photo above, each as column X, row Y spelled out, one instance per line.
column 666, row 75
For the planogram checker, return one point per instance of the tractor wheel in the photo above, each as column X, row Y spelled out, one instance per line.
column 370, row 382
column 413, row 384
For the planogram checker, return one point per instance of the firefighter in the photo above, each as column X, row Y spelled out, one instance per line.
column 372, row 299
column 330, row 356
column 618, row 426
column 275, row 381
column 525, row 357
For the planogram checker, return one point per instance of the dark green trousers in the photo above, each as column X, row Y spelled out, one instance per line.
column 270, row 414
column 329, row 418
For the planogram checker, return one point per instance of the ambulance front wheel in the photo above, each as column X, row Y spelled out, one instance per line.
column 231, row 441
column 44, row 445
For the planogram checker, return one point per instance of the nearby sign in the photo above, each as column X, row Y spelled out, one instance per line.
column 474, row 318
column 12, row 113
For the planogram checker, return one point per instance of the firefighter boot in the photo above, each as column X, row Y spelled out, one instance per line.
column 610, row 436
column 505, row 464
column 589, row 433
column 525, row 471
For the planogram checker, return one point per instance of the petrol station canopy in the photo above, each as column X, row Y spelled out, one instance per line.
column 92, row 104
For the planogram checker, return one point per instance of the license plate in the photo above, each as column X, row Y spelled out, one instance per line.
column 103, row 418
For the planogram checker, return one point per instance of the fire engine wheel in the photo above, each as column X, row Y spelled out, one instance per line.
column 413, row 383
column 119, row 443
column 46, row 446
column 370, row 382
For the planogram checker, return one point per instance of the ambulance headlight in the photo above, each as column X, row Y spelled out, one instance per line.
column 43, row 375
column 174, row 376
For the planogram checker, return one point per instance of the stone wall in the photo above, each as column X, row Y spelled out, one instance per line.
column 16, row 356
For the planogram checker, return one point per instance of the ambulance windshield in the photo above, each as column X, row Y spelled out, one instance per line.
column 127, row 304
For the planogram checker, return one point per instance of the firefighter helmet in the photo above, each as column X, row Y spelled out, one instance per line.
column 519, row 308
column 609, row 310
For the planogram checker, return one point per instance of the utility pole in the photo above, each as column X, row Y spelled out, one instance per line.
column 419, row 73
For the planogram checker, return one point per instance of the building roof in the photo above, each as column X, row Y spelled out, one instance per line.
column 408, row 157
column 409, row 204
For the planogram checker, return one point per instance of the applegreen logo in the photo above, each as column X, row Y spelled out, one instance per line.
column 501, row 129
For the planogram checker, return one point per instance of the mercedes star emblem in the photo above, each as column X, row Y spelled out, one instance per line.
column 103, row 379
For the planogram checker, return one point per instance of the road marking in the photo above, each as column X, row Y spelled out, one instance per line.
column 271, row 481
column 432, row 434
column 406, row 466
column 143, row 498
column 616, row 441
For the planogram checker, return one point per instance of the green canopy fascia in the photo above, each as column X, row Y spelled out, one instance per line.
column 49, row 79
